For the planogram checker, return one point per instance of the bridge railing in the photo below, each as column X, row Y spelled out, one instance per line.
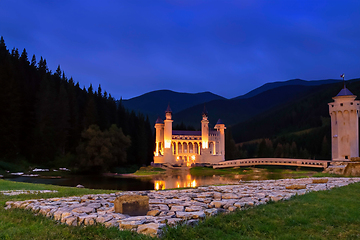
column 273, row 161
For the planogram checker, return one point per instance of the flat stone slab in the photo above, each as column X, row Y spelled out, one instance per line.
column 132, row 205
column 172, row 207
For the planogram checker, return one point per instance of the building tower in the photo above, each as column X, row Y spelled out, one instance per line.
column 205, row 130
column 168, row 134
column 159, row 138
column 344, row 113
column 220, row 127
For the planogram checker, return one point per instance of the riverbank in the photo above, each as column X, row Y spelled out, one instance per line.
column 178, row 206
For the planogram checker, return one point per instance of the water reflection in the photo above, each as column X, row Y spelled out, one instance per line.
column 189, row 181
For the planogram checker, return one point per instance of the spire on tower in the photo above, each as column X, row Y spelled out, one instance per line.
column 205, row 112
column 168, row 109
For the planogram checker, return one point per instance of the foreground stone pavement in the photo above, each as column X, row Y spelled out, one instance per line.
column 171, row 207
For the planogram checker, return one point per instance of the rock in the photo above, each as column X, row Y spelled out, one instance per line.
column 104, row 218
column 296, row 186
column 211, row 211
column 194, row 209
column 94, row 205
column 83, row 210
column 177, row 208
column 217, row 196
column 174, row 221
column 79, row 186
column 190, row 215
column 111, row 223
column 230, row 196
column 151, row 229
column 132, row 205
column 217, row 204
column 321, row 180
column 64, row 215
column 232, row 209
column 154, row 212
column 129, row 225
column 70, row 220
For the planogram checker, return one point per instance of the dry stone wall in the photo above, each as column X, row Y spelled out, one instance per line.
column 172, row 207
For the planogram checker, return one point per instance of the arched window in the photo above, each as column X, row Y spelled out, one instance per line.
column 179, row 148
column 174, row 148
column 185, row 147
column 191, row 150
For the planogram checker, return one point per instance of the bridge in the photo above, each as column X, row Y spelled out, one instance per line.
column 273, row 162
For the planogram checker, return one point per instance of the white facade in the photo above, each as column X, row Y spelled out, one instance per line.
column 344, row 113
column 186, row 148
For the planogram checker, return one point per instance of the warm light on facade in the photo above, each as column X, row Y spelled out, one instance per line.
column 205, row 144
column 193, row 157
column 167, row 143
column 159, row 185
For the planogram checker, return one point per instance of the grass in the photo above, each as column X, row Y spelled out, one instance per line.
column 209, row 171
column 23, row 224
column 331, row 214
column 149, row 170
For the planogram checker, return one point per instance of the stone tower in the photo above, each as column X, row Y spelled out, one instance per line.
column 205, row 130
column 344, row 113
column 220, row 127
column 168, row 135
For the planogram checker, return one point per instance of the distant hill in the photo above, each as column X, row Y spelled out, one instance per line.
column 272, row 85
column 308, row 111
column 155, row 103
column 232, row 111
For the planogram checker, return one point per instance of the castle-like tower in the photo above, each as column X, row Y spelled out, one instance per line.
column 344, row 113
column 186, row 148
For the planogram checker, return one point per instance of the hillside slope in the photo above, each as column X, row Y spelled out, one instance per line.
column 233, row 111
column 272, row 85
column 155, row 103
column 309, row 111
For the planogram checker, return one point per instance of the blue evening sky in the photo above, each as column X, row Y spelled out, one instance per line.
column 227, row 47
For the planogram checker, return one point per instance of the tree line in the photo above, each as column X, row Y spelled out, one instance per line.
column 48, row 119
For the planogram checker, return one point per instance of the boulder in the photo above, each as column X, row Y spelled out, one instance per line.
column 133, row 205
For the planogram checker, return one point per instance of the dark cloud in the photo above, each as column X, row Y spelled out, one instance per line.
column 227, row 47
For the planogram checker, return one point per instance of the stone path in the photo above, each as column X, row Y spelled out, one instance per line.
column 171, row 207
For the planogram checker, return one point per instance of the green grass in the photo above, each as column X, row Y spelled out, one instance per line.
column 23, row 224
column 331, row 214
column 149, row 170
column 209, row 171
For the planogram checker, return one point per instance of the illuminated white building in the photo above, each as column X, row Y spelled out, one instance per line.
column 185, row 148
column 344, row 113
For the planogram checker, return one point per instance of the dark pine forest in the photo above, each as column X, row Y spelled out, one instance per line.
column 48, row 120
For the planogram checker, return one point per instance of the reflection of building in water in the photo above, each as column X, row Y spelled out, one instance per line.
column 188, row 181
column 175, row 183
column 189, row 147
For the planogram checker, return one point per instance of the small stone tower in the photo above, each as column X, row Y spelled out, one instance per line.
column 205, row 130
column 344, row 113
column 220, row 127
column 159, row 143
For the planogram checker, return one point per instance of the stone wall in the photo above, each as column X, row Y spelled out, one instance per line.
column 171, row 207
